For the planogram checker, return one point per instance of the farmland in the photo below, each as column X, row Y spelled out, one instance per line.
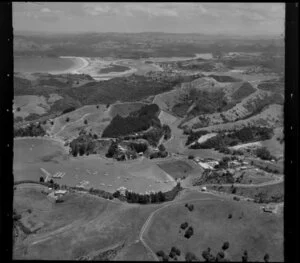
column 212, row 227
column 175, row 141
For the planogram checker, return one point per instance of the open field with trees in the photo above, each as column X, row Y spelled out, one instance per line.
column 246, row 229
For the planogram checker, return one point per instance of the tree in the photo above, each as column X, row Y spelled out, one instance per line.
column 220, row 256
column 160, row 253
column 225, row 245
column 191, row 157
column 264, row 154
column 85, row 122
column 184, row 225
column 18, row 109
column 230, row 216
column 189, row 257
column 42, row 179
column 245, row 256
column 266, row 257
column 67, row 119
column 161, row 148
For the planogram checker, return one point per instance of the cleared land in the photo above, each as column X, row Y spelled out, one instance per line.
column 248, row 229
column 80, row 226
column 139, row 175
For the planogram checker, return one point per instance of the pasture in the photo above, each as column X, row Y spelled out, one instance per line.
column 81, row 225
column 139, row 175
column 177, row 168
column 248, row 229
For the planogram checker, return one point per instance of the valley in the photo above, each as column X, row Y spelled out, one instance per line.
column 112, row 157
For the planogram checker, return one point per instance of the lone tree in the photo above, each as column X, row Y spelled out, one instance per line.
column 220, row 256
column 245, row 256
column 67, row 119
column 225, row 245
column 18, row 109
column 266, row 257
column 42, row 179
column 189, row 257
column 85, row 122
column 184, row 225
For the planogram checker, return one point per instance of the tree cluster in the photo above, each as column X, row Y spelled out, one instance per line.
column 137, row 121
column 32, row 130
column 158, row 197
column 244, row 135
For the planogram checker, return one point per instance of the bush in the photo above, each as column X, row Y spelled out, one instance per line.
column 264, row 154
column 190, row 207
column 85, row 122
column 266, row 257
column 230, row 216
column 245, row 256
column 160, row 253
column 220, row 256
column 189, row 232
column 18, row 109
column 67, row 119
column 176, row 250
column 42, row 179
column 68, row 110
column 225, row 245
column 184, row 225
column 189, row 257
column 165, row 257
column 191, row 157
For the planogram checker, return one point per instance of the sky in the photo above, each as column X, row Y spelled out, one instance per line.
column 206, row 18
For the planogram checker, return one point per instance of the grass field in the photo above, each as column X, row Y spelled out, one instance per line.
column 177, row 169
column 139, row 175
column 267, row 192
column 81, row 225
column 249, row 229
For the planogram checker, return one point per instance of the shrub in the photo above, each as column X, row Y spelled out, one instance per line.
column 68, row 110
column 160, row 253
column 230, row 216
column 245, row 256
column 220, row 256
column 225, row 245
column 18, row 109
column 189, row 257
column 191, row 207
column 67, row 119
column 184, row 225
column 176, row 250
column 189, row 232
column 266, row 257
column 191, row 157
column 264, row 154
column 85, row 122
column 42, row 179
column 165, row 257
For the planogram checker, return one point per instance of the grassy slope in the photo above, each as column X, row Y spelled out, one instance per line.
column 257, row 232
column 82, row 224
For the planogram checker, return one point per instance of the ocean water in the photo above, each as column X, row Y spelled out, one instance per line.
column 41, row 64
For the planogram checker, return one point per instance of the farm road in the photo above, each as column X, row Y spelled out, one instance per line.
column 149, row 220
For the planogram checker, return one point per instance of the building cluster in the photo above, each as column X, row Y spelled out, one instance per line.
column 56, row 196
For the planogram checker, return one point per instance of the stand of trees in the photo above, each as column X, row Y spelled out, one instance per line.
column 158, row 197
column 33, row 130
column 244, row 135
column 137, row 121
